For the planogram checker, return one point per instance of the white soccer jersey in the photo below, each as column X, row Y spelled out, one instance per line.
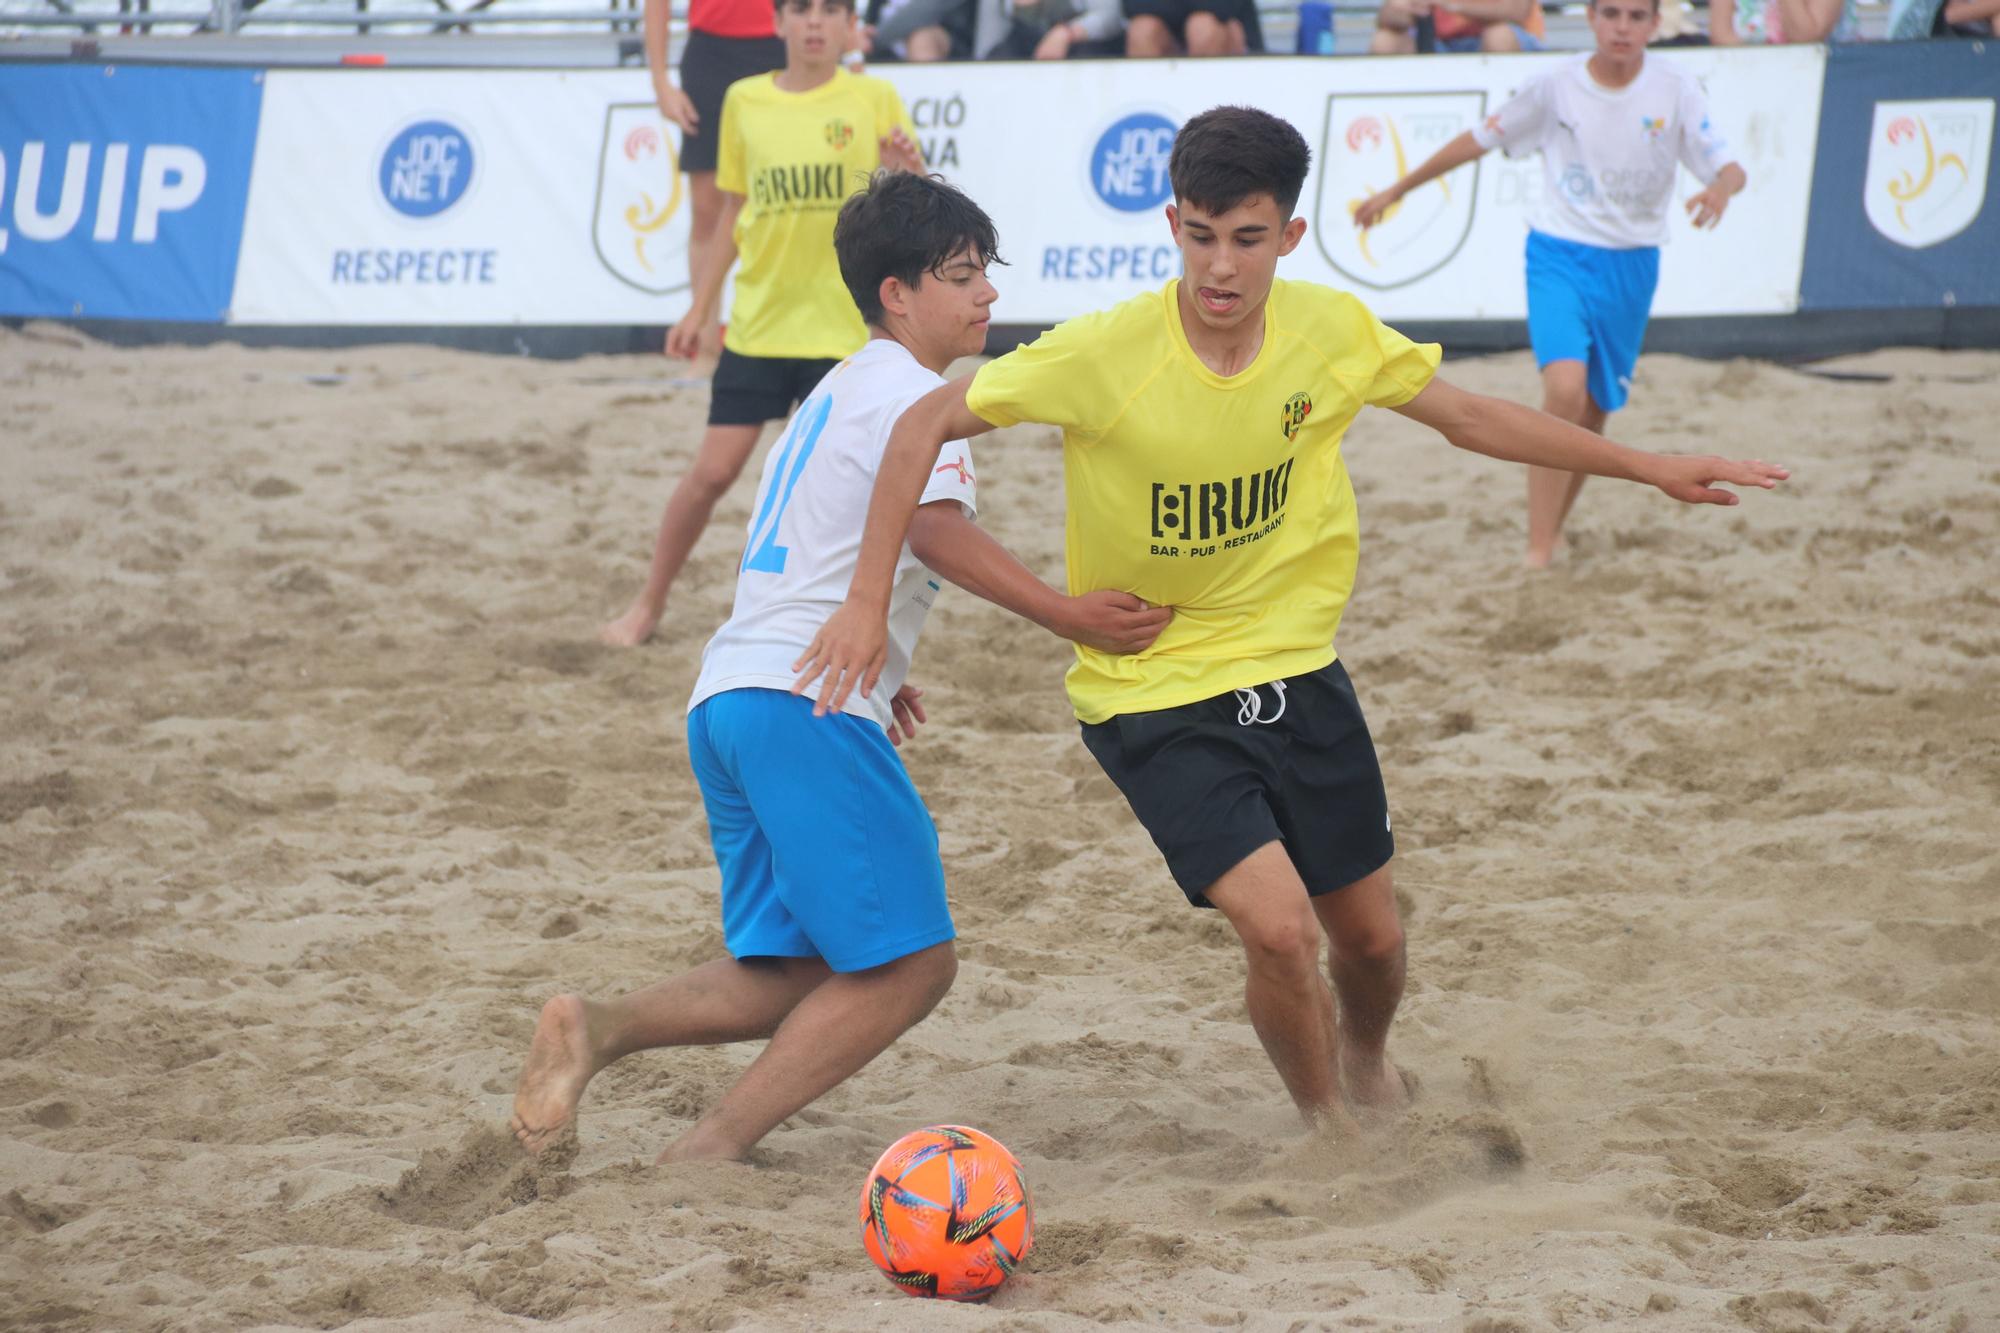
column 805, row 531
column 1608, row 154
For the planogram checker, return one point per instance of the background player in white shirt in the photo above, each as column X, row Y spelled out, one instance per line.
column 833, row 900
column 1610, row 127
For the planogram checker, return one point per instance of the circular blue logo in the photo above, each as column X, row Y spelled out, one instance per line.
column 1128, row 167
column 426, row 168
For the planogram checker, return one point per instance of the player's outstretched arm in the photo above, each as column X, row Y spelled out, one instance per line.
column 848, row 652
column 1453, row 155
column 1706, row 207
column 1500, row 429
column 960, row 550
column 685, row 337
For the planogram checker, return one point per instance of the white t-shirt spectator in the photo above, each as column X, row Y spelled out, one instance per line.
column 1608, row 154
column 805, row 531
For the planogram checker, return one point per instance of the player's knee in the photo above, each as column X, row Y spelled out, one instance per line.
column 1281, row 943
column 932, row 972
column 1569, row 402
column 1376, row 943
column 710, row 478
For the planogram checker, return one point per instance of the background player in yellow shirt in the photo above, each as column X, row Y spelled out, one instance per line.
column 794, row 145
column 1202, row 428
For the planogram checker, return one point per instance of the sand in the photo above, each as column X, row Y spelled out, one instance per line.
column 314, row 784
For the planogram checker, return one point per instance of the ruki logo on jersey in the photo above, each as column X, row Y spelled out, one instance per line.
column 839, row 134
column 1370, row 142
column 1927, row 165
column 1297, row 408
column 1218, row 515
column 639, row 227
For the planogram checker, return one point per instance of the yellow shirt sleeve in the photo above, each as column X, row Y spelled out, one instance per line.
column 730, row 172
column 1405, row 369
column 1056, row 380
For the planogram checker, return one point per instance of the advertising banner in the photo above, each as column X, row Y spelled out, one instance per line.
column 122, row 189
column 1070, row 159
column 464, row 197
column 1905, row 209
column 545, row 197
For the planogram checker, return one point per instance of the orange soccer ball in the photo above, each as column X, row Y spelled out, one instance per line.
column 945, row 1212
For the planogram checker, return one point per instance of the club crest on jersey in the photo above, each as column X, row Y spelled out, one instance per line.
column 1370, row 141
column 1927, row 163
column 1297, row 408
column 957, row 465
column 639, row 227
column 1654, row 126
column 839, row 134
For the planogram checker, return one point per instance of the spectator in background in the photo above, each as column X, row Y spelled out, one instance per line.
column 921, row 31
column 1459, row 25
column 727, row 40
column 1055, row 29
column 1772, row 22
column 1156, row 28
column 1915, row 20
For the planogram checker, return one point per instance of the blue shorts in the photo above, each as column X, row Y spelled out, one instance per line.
column 1589, row 303
column 825, row 848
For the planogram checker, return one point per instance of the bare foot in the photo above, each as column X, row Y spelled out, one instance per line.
column 1373, row 1085
column 560, row 1063
column 633, row 628
column 1535, row 559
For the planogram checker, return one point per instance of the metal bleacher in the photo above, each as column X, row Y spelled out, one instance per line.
column 495, row 32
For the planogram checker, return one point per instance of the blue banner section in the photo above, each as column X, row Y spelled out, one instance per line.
column 1905, row 212
column 123, row 188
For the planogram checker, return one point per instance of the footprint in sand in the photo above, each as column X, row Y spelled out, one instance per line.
column 484, row 1176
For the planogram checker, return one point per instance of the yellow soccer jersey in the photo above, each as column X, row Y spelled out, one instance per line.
column 1223, row 497
column 796, row 157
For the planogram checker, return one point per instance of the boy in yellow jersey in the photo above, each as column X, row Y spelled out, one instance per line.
column 793, row 146
column 1201, row 428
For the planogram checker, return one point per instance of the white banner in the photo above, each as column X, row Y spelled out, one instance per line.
column 463, row 197
column 544, row 197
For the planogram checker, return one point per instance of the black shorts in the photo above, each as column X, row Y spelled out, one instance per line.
column 1214, row 781
column 750, row 390
column 709, row 64
column 1174, row 13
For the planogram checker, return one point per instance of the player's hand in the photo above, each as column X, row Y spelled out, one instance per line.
column 1376, row 207
column 1114, row 622
column 678, row 107
column 1692, row 479
column 907, row 708
column 1707, row 207
column 899, row 153
column 848, row 653
column 684, row 338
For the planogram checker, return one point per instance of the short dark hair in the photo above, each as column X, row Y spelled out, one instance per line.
column 1231, row 153
column 904, row 226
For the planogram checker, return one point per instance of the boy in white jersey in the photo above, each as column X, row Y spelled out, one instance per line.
column 1201, row 429
column 1610, row 126
column 833, row 901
